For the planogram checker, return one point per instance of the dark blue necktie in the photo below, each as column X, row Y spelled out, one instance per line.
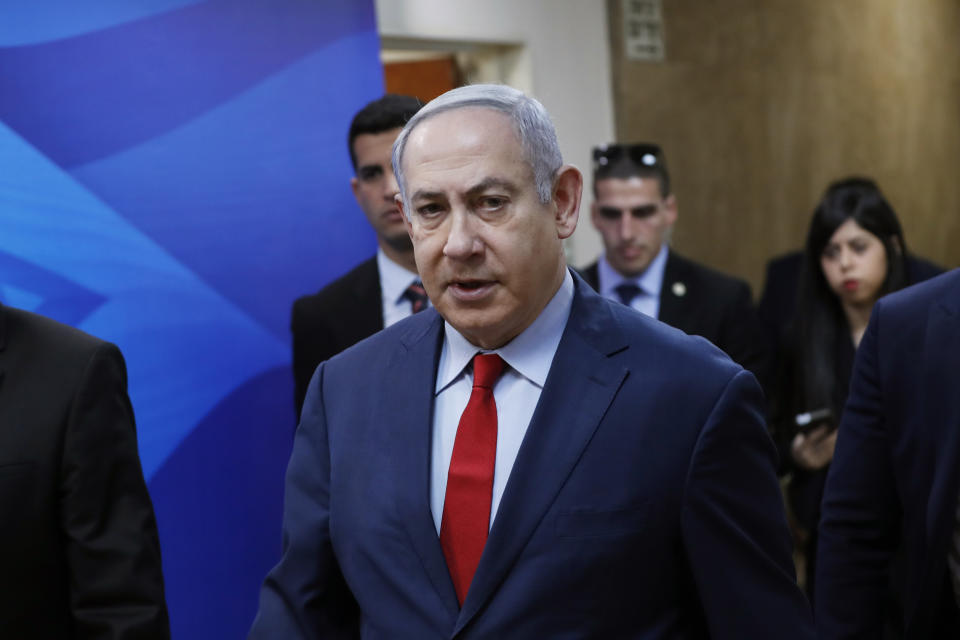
column 627, row 292
column 417, row 296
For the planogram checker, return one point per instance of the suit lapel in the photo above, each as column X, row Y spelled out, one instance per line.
column 941, row 415
column 411, row 420
column 671, row 304
column 368, row 298
column 580, row 387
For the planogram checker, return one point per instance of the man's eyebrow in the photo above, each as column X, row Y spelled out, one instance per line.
column 480, row 187
column 492, row 183
column 423, row 194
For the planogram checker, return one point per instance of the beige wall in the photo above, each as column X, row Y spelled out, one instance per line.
column 760, row 103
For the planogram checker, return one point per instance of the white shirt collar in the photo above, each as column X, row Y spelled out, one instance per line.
column 530, row 354
column 394, row 278
column 650, row 281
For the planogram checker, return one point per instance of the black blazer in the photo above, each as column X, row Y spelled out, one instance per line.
column 778, row 302
column 79, row 553
column 704, row 302
column 338, row 316
column 891, row 496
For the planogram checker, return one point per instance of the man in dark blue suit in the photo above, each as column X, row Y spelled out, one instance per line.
column 526, row 459
column 889, row 563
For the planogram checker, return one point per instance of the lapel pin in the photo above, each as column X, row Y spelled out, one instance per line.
column 679, row 289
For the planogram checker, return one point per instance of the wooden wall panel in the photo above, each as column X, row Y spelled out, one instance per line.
column 424, row 79
column 761, row 103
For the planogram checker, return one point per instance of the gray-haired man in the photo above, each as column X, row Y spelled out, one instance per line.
column 526, row 459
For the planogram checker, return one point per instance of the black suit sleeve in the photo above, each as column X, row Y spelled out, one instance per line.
column 110, row 533
column 859, row 528
column 312, row 344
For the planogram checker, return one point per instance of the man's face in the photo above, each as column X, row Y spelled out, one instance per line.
column 489, row 252
column 634, row 219
column 375, row 186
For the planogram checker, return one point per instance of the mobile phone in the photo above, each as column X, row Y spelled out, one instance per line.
column 810, row 420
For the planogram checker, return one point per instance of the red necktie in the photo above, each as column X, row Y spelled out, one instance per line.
column 466, row 507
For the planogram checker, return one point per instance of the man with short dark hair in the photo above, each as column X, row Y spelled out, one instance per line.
column 381, row 290
column 634, row 210
column 79, row 552
column 526, row 459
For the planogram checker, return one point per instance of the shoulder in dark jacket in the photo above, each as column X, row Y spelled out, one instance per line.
column 338, row 316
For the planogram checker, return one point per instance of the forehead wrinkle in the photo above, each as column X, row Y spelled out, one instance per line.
column 465, row 142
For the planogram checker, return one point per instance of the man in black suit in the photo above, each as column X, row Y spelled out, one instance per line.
column 634, row 211
column 381, row 290
column 79, row 553
column 889, row 559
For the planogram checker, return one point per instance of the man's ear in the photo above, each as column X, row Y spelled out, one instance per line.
column 355, row 186
column 670, row 205
column 567, row 189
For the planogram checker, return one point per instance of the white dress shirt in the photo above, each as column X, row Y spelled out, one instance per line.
column 528, row 358
column 650, row 282
column 394, row 280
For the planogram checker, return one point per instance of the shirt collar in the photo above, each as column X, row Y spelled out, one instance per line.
column 530, row 354
column 394, row 278
column 650, row 281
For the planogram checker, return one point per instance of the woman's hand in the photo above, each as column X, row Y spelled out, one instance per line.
column 814, row 450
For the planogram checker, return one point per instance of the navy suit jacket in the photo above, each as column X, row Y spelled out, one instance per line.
column 891, row 495
column 643, row 502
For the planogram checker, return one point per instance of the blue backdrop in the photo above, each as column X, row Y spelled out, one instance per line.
column 173, row 174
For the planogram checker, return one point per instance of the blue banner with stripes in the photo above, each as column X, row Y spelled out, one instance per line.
column 173, row 174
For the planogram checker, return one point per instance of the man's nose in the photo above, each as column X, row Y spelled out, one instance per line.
column 462, row 239
column 628, row 225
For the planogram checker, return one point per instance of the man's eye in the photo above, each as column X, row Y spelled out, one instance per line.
column 609, row 213
column 367, row 174
column 428, row 210
column 640, row 213
column 492, row 202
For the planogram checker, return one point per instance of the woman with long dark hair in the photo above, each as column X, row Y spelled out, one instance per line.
column 854, row 254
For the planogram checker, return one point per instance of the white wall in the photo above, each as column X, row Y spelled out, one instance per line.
column 563, row 61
